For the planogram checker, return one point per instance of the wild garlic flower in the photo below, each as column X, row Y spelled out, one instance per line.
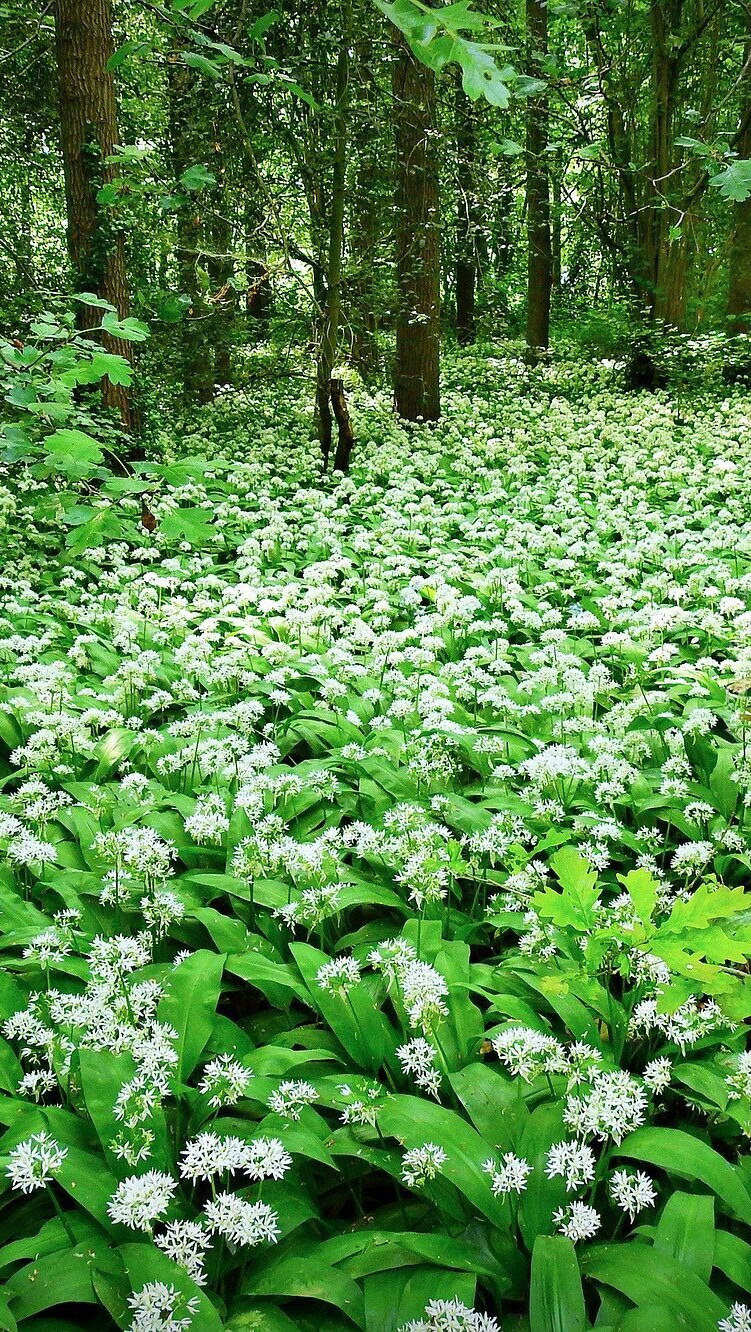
column 632, row 1192
column 510, row 1177
column 211, row 1154
column 422, row 1163
column 527, row 1053
column 225, row 1081
column 573, row 1161
column 577, row 1221
column 451, row 1316
column 290, row 1097
column 614, row 1105
column 157, row 1306
column 141, row 1200
column 738, row 1320
column 35, row 1162
column 240, row 1222
column 739, row 1082
column 418, row 1057
column 266, row 1158
column 186, row 1243
column 657, row 1074
column 339, row 975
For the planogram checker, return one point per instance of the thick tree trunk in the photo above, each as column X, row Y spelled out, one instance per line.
column 466, row 217
column 539, row 243
column 416, row 368
column 88, row 131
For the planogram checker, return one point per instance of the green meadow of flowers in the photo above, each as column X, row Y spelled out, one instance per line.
column 373, row 864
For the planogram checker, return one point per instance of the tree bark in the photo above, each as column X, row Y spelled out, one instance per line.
column 186, row 144
column 416, row 368
column 466, row 217
column 88, row 132
column 539, row 243
column 739, row 292
column 332, row 310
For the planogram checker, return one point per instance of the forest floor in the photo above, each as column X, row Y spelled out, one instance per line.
column 485, row 698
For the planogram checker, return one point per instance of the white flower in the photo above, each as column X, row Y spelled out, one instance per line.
column 632, row 1192
column 577, row 1221
column 265, row 1158
column 241, row 1222
column 418, row 1057
column 738, row 1320
column 225, row 1081
column 210, row 1154
column 451, row 1316
column 157, row 1307
column 512, row 1176
column 34, row 1162
column 739, row 1082
column 422, row 1163
column 186, row 1243
column 290, row 1097
column 339, row 975
column 657, row 1075
column 574, row 1161
column 140, row 1200
column 615, row 1105
column 527, row 1052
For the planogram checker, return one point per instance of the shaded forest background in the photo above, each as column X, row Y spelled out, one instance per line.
column 365, row 181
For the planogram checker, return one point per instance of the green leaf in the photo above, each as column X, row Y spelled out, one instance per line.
column 73, row 451
column 680, row 1154
column 304, row 1276
column 58, row 1278
column 556, row 1298
column 197, row 178
column 191, row 524
column 735, row 181
column 686, row 1232
column 574, row 906
column 649, row 1278
column 189, row 1005
column 128, row 330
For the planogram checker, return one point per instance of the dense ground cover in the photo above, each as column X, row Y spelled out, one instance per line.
column 373, row 874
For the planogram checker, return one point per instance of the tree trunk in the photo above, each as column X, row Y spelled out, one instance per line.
column 739, row 293
column 258, row 293
column 416, row 368
column 539, row 244
column 466, row 217
column 332, row 309
column 195, row 346
column 88, row 132
column 364, row 214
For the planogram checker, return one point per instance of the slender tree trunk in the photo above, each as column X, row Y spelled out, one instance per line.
column 332, row 310
column 416, row 368
column 258, row 292
column 88, row 131
column 186, row 144
column 466, row 217
column 364, row 214
column 739, row 293
column 539, row 243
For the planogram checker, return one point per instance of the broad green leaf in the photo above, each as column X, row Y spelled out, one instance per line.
column 686, row 1232
column 189, row 1005
column 679, row 1153
column 556, row 1298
